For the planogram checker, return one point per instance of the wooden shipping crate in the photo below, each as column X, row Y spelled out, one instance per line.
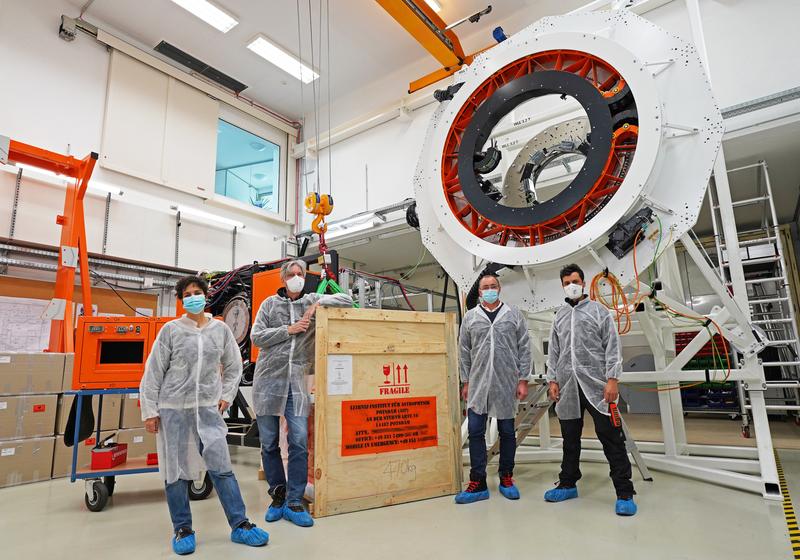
column 387, row 425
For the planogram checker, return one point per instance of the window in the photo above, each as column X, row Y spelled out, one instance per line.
column 248, row 167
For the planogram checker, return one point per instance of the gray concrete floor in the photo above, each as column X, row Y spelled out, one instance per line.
column 678, row 519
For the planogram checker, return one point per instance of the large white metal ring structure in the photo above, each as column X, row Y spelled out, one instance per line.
column 679, row 132
column 655, row 131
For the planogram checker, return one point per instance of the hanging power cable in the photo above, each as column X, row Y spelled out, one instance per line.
column 128, row 305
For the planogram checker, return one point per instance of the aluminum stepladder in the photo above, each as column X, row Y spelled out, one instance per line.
column 769, row 296
column 536, row 407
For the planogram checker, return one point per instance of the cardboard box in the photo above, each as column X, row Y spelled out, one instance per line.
column 27, row 416
column 111, row 411
column 69, row 361
column 131, row 412
column 27, row 374
column 140, row 443
column 62, row 458
column 25, row 460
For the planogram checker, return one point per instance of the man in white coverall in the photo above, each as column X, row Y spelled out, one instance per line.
column 495, row 358
column 284, row 333
column 583, row 365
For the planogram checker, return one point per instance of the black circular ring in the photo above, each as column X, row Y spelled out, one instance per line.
column 502, row 102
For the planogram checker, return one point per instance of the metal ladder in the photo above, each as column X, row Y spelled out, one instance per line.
column 768, row 292
column 535, row 407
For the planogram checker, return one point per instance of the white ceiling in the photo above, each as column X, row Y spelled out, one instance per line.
column 365, row 42
column 779, row 147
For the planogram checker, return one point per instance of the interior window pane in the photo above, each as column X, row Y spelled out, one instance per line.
column 247, row 167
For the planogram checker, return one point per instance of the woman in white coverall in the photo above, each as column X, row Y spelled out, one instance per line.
column 284, row 333
column 183, row 396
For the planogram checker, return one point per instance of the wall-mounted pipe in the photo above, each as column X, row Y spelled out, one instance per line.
column 107, row 275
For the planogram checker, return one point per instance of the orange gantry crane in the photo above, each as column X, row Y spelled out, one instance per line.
column 73, row 253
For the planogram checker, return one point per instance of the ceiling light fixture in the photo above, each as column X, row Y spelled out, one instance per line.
column 200, row 214
column 353, row 229
column 435, row 6
column 209, row 13
column 258, row 146
column 289, row 63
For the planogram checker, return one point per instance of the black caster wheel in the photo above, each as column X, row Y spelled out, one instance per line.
column 99, row 497
column 202, row 490
column 110, row 482
column 746, row 432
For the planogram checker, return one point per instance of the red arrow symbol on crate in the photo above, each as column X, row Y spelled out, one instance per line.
column 398, row 374
column 405, row 372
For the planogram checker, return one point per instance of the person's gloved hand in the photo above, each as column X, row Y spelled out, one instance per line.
column 611, row 391
column 151, row 424
column 554, row 392
column 300, row 326
column 522, row 390
column 310, row 312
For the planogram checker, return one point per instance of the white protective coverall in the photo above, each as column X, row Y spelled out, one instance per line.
column 183, row 386
column 584, row 350
column 285, row 360
column 494, row 358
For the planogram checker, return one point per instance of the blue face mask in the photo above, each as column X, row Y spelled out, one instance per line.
column 490, row 296
column 194, row 304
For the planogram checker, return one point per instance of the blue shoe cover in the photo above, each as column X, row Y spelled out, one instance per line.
column 250, row 535
column 299, row 518
column 183, row 546
column 626, row 507
column 471, row 497
column 274, row 513
column 560, row 494
column 510, row 492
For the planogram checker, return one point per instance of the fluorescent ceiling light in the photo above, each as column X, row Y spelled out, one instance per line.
column 200, row 214
column 209, row 13
column 283, row 60
column 435, row 6
column 354, row 229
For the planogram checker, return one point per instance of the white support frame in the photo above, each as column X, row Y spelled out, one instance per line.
column 743, row 468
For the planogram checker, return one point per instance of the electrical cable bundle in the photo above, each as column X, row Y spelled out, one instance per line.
column 621, row 305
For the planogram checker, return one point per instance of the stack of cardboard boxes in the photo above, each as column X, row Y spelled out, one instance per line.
column 34, row 413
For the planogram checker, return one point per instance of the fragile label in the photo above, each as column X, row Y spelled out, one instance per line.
column 39, row 407
column 8, row 452
column 138, row 439
column 384, row 425
column 5, row 359
column 3, row 405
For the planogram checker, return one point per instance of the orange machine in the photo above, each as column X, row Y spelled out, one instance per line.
column 110, row 352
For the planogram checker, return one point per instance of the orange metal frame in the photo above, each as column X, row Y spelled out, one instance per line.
column 73, row 233
column 450, row 59
column 608, row 82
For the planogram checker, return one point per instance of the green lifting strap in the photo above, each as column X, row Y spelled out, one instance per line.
column 331, row 285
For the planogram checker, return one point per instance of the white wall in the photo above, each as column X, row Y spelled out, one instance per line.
column 752, row 47
column 53, row 96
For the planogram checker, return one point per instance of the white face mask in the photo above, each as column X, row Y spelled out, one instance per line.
column 573, row 291
column 295, row 284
